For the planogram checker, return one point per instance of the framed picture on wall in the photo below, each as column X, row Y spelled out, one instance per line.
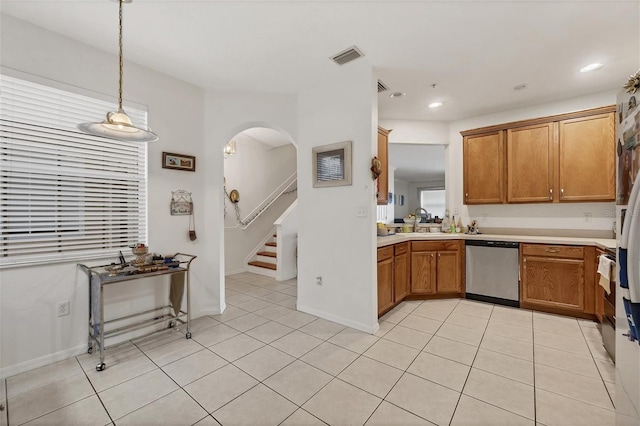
column 178, row 162
column 402, row 200
column 332, row 165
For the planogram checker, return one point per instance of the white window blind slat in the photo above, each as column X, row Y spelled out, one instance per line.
column 65, row 194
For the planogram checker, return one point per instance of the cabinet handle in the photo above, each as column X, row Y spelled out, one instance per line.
column 466, row 197
column 431, row 254
column 551, row 193
column 561, row 193
column 552, row 250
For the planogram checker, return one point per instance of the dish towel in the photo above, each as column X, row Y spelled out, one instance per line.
column 95, row 303
column 176, row 291
column 604, row 269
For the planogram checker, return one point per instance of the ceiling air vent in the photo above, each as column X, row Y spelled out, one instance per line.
column 348, row 55
column 382, row 87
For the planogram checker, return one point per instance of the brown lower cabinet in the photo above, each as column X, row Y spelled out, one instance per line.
column 401, row 272
column 385, row 279
column 436, row 267
column 557, row 279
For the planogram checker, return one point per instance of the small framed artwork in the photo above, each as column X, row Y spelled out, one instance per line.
column 391, row 198
column 178, row 162
column 402, row 200
column 332, row 165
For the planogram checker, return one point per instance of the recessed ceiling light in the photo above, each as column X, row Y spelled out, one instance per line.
column 435, row 104
column 397, row 95
column 520, row 86
column 591, row 67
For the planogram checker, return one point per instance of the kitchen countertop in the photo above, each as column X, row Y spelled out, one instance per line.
column 602, row 243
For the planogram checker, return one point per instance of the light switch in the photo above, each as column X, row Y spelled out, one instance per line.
column 361, row 212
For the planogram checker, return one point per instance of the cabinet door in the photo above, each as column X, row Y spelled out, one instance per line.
column 385, row 285
column 483, row 159
column 553, row 282
column 587, row 159
column 423, row 272
column 383, row 156
column 530, row 158
column 401, row 277
column 448, row 272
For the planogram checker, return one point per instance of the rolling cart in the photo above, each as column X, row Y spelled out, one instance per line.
column 172, row 314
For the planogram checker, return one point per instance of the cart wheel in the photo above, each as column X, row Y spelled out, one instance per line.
column 172, row 324
column 188, row 335
column 101, row 366
column 90, row 350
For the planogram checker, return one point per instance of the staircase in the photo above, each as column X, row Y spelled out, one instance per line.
column 265, row 261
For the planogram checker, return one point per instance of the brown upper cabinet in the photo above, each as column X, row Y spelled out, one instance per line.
column 383, row 156
column 561, row 158
column 484, row 168
column 530, row 158
column 587, row 158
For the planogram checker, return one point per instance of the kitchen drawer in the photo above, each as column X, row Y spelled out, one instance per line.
column 435, row 245
column 385, row 253
column 544, row 250
column 401, row 248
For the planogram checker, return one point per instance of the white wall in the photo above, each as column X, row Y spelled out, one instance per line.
column 417, row 131
column 527, row 216
column 332, row 241
column 401, row 188
column 255, row 170
column 31, row 332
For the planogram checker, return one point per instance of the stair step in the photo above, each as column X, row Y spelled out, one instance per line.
column 271, row 244
column 267, row 253
column 263, row 265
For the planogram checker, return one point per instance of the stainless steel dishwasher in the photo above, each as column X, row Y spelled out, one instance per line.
column 493, row 272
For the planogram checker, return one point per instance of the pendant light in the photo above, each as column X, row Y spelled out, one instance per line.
column 117, row 124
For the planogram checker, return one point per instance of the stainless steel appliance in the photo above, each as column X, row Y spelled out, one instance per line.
column 628, row 256
column 493, row 272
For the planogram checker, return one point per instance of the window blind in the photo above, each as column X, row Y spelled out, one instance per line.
column 330, row 165
column 65, row 194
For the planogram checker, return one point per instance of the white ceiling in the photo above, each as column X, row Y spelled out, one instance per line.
column 476, row 51
column 417, row 163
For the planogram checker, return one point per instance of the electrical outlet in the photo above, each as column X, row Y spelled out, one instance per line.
column 63, row 308
column 361, row 212
column 455, row 211
column 484, row 217
column 319, row 280
column 587, row 217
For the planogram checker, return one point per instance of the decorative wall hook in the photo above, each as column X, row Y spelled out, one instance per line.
column 181, row 203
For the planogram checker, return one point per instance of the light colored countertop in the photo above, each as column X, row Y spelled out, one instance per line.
column 602, row 243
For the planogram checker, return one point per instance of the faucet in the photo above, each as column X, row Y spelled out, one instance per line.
column 418, row 213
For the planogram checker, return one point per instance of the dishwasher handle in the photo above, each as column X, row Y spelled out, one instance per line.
column 496, row 244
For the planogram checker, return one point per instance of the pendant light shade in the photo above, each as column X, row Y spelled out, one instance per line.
column 117, row 124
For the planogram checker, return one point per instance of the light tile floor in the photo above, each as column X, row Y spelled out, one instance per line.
column 444, row 362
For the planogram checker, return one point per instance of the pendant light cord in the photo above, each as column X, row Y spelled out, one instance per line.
column 121, row 66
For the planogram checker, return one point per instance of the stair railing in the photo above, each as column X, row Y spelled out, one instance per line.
column 287, row 187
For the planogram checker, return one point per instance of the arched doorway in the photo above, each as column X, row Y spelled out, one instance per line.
column 260, row 170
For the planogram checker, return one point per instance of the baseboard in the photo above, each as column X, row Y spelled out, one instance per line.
column 343, row 321
column 12, row 370
column 213, row 312
column 237, row 271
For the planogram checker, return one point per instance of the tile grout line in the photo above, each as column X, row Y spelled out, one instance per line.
column 470, row 368
column 613, row 403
